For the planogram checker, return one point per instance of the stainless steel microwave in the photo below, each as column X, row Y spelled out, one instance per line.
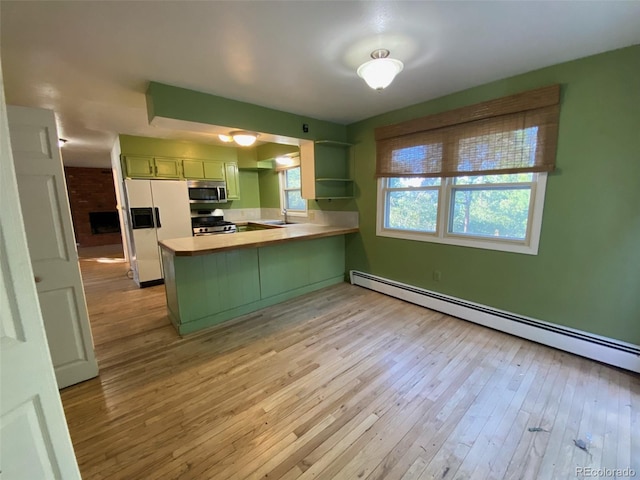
column 206, row 191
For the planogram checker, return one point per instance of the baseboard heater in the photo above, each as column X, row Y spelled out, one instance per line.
column 595, row 347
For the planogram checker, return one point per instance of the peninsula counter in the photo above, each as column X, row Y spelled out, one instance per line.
column 212, row 279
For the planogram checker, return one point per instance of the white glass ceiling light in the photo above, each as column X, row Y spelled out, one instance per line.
column 225, row 138
column 244, row 138
column 380, row 72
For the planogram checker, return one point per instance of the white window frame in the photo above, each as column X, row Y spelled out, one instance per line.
column 283, row 190
column 527, row 246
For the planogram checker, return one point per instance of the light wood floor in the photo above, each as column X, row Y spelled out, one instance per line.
column 343, row 383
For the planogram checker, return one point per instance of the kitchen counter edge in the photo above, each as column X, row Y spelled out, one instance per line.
column 204, row 245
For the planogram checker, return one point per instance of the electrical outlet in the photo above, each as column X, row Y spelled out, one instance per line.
column 437, row 275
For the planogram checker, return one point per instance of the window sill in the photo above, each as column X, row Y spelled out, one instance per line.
column 477, row 242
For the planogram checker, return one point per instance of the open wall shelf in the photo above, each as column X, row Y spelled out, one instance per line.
column 326, row 170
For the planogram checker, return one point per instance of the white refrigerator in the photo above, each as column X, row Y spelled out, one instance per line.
column 158, row 210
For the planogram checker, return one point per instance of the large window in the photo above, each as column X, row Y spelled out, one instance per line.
column 290, row 192
column 498, row 212
column 474, row 176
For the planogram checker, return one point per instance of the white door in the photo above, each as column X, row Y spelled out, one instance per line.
column 173, row 211
column 144, row 257
column 52, row 248
column 171, row 198
column 34, row 439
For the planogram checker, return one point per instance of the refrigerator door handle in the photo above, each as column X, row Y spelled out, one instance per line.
column 158, row 225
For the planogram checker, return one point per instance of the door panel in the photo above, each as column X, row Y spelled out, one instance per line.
column 146, row 255
column 52, row 248
column 167, row 167
column 34, row 439
column 233, row 181
column 26, row 418
column 66, row 334
column 139, row 166
column 193, row 168
column 172, row 200
column 214, row 170
column 38, row 195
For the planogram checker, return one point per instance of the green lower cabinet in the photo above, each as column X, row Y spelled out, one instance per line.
column 216, row 283
column 203, row 291
column 284, row 268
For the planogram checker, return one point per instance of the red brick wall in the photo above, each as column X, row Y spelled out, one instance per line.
column 90, row 190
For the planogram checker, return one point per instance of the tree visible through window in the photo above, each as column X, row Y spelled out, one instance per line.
column 291, row 190
column 474, row 176
column 493, row 209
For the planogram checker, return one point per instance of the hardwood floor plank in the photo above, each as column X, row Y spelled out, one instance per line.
column 342, row 383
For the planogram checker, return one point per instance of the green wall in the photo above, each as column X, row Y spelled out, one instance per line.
column 184, row 104
column 587, row 273
column 269, row 189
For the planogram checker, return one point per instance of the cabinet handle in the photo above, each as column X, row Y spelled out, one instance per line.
column 37, row 279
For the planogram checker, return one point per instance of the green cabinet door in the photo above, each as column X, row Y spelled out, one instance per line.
column 193, row 169
column 213, row 170
column 167, row 167
column 138, row 166
column 233, row 181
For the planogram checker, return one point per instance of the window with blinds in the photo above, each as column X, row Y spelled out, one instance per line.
column 510, row 135
column 474, row 176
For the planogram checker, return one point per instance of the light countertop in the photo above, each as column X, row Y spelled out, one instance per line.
column 191, row 246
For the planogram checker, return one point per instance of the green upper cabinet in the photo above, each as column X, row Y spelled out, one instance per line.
column 167, row 167
column 325, row 170
column 203, row 169
column 138, row 166
column 193, row 168
column 233, row 181
column 213, row 170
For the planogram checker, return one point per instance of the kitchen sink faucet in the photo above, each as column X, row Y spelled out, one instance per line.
column 284, row 213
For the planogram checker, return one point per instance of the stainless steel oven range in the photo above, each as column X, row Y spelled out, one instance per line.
column 208, row 222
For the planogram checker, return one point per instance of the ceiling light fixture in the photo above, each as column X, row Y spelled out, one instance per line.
column 244, row 138
column 225, row 138
column 380, row 72
column 61, row 142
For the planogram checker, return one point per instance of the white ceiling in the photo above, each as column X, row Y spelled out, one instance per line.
column 91, row 61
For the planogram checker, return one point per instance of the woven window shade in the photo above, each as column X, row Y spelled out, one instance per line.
column 508, row 135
